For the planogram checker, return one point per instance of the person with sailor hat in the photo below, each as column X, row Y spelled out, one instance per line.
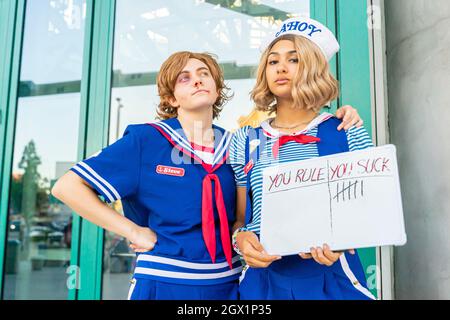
column 294, row 82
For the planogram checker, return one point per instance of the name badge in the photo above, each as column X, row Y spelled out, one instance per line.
column 170, row 171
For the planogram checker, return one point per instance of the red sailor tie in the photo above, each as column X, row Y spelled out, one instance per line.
column 208, row 226
column 301, row 138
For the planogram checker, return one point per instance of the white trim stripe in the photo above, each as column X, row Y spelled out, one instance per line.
column 184, row 275
column 348, row 272
column 222, row 147
column 360, row 146
column 131, row 290
column 89, row 178
column 184, row 264
column 175, row 136
column 244, row 271
column 219, row 156
column 97, row 176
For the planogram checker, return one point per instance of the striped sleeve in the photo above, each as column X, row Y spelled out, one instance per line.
column 358, row 139
column 114, row 172
column 237, row 155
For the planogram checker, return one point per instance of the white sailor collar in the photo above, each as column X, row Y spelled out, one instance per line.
column 274, row 133
column 173, row 131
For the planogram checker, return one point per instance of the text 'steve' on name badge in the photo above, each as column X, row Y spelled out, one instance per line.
column 170, row 171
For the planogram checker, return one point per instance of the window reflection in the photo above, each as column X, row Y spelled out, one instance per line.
column 45, row 147
column 146, row 33
column 39, row 237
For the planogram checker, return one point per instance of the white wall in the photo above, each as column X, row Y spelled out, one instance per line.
column 418, row 66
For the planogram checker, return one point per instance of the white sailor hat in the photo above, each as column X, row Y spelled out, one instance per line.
column 309, row 29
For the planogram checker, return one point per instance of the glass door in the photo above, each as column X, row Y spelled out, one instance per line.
column 38, row 244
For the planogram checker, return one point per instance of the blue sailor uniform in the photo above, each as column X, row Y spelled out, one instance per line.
column 165, row 185
column 293, row 277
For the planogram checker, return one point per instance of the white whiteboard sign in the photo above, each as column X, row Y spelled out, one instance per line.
column 348, row 200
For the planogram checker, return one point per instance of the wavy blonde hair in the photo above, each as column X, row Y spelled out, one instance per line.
column 167, row 78
column 313, row 86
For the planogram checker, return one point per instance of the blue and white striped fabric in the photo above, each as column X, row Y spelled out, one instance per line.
column 358, row 139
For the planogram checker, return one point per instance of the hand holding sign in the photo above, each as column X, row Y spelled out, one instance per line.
column 252, row 250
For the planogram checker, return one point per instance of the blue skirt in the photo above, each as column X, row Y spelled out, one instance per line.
column 294, row 278
column 148, row 289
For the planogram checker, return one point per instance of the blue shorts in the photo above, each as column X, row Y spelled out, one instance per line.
column 148, row 289
column 294, row 278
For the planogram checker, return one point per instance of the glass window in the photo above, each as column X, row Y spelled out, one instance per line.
column 45, row 147
column 146, row 33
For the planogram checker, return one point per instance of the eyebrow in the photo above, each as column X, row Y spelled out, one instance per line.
column 199, row 69
column 289, row 52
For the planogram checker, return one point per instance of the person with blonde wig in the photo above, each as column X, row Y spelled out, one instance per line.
column 294, row 83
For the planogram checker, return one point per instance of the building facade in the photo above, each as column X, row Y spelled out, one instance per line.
column 75, row 73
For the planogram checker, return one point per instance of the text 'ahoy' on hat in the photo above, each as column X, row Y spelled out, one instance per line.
column 309, row 29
